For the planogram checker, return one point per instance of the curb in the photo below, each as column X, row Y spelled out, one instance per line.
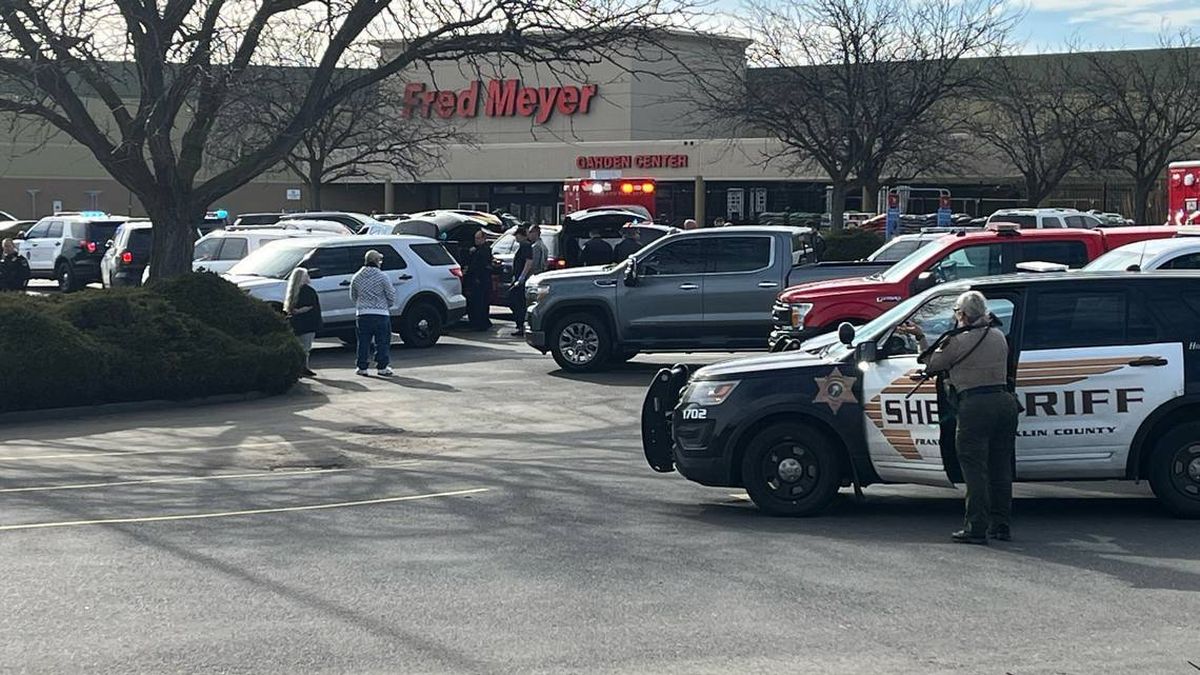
column 99, row 410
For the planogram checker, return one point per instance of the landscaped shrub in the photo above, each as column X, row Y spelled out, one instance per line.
column 193, row 336
column 851, row 244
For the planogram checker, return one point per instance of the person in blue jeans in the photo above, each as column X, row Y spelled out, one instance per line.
column 373, row 296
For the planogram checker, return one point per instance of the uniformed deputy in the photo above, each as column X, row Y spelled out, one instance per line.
column 974, row 355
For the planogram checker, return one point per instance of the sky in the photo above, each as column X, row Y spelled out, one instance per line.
column 1103, row 24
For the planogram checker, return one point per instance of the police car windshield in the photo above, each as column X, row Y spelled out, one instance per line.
column 873, row 330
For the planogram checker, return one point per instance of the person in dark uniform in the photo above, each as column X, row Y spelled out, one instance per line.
column 14, row 268
column 522, row 266
column 477, row 283
column 596, row 251
column 974, row 358
column 628, row 245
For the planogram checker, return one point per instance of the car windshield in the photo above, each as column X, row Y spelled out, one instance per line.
column 874, row 329
column 910, row 263
column 1119, row 260
column 274, row 262
column 896, row 250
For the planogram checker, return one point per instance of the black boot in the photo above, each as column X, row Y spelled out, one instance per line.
column 1000, row 533
column 968, row 537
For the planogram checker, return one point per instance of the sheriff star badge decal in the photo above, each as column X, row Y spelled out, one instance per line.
column 835, row 389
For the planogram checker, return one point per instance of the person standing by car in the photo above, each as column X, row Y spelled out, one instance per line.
column 478, row 283
column 974, row 358
column 541, row 254
column 629, row 243
column 14, row 268
column 303, row 310
column 521, row 266
column 373, row 296
column 596, row 251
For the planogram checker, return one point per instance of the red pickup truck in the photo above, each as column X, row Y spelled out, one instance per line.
column 803, row 311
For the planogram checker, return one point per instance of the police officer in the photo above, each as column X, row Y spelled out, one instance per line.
column 974, row 357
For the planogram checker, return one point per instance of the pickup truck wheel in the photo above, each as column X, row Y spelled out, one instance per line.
column 790, row 469
column 421, row 325
column 1175, row 470
column 580, row 343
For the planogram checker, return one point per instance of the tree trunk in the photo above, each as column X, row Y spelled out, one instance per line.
column 870, row 195
column 837, row 206
column 1142, row 189
column 1034, row 192
column 315, row 170
column 174, row 235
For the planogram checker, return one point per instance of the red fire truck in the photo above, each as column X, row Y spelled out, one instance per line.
column 586, row 193
column 1183, row 193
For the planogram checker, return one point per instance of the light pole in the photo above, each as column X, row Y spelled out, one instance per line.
column 32, row 192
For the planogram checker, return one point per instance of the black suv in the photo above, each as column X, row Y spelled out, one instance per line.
column 1106, row 366
column 68, row 247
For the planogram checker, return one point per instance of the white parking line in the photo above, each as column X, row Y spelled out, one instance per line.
column 223, row 476
column 177, row 479
column 248, row 512
column 198, row 448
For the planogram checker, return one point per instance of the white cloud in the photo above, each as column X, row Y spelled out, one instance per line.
column 1116, row 16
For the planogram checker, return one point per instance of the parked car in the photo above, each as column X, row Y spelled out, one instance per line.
column 811, row 309
column 354, row 222
column 427, row 279
column 127, row 256
column 899, row 247
column 1179, row 253
column 1045, row 218
column 11, row 229
column 453, row 229
column 68, row 247
column 1104, row 369
column 221, row 250
column 577, row 227
column 698, row 290
column 256, row 219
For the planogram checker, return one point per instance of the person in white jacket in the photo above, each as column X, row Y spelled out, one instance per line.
column 373, row 296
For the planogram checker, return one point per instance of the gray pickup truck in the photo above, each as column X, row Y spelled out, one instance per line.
column 700, row 290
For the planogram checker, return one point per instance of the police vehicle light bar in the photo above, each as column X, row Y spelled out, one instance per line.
column 1003, row 227
column 1188, row 231
column 1041, row 267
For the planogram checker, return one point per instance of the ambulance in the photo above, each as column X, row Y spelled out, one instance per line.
column 1106, row 367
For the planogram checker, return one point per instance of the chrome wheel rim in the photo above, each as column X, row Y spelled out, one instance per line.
column 579, row 343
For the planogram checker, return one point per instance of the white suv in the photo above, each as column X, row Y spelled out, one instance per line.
column 218, row 251
column 427, row 279
column 1029, row 219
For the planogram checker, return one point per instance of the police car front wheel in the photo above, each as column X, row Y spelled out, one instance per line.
column 790, row 469
column 1175, row 470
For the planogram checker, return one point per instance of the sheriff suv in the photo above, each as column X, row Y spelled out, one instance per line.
column 67, row 247
column 1106, row 366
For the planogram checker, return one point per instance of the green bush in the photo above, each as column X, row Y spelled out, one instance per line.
column 196, row 335
column 851, row 244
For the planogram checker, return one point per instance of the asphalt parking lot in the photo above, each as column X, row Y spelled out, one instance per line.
column 485, row 512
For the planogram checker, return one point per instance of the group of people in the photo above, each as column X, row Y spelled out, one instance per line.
column 373, row 295
column 14, row 268
column 531, row 257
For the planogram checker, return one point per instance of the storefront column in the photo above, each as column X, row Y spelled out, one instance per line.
column 699, row 201
column 389, row 196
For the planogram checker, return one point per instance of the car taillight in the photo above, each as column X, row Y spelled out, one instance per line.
column 89, row 246
column 457, row 272
column 127, row 257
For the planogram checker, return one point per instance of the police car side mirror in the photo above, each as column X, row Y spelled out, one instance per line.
column 924, row 282
column 846, row 333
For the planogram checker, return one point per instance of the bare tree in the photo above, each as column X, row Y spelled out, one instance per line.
column 363, row 136
column 145, row 84
column 852, row 86
column 1033, row 112
column 1148, row 109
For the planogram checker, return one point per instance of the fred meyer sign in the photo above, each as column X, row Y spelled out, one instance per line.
column 498, row 98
